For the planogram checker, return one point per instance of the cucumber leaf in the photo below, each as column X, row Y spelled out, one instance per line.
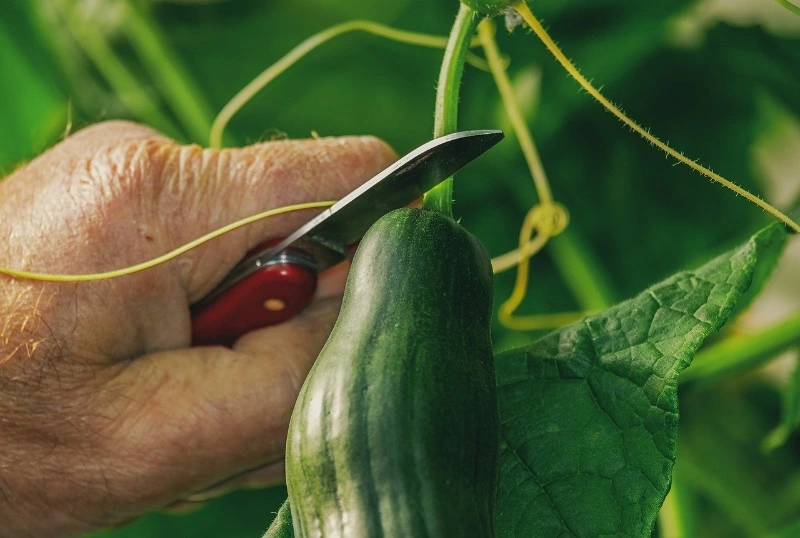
column 589, row 413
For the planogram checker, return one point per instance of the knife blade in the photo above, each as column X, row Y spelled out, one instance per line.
column 276, row 280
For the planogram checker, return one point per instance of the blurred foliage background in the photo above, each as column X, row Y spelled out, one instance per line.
column 718, row 79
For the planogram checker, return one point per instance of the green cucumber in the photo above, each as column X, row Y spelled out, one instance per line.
column 395, row 431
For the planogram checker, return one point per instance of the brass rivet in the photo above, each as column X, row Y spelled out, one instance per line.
column 274, row 305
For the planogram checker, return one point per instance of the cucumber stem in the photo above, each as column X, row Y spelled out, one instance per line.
column 440, row 198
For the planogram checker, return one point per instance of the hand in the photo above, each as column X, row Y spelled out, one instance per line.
column 106, row 412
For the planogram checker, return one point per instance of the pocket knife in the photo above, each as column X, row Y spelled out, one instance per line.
column 277, row 279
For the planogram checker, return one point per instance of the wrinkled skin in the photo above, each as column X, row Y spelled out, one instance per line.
column 105, row 410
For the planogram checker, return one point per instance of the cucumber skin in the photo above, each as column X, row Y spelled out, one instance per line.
column 395, row 432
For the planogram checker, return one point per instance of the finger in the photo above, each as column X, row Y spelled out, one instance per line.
column 190, row 419
column 116, row 194
column 220, row 187
column 128, row 194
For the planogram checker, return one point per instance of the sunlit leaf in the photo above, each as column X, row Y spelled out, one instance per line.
column 589, row 413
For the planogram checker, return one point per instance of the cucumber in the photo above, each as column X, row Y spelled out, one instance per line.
column 395, row 432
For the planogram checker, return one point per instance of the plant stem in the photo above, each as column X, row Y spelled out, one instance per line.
column 524, row 11
column 183, row 96
column 440, row 198
column 742, row 353
column 486, row 32
column 578, row 270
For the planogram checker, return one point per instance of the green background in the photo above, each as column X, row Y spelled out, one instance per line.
column 715, row 92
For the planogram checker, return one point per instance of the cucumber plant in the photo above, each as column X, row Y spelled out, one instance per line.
column 612, row 377
column 588, row 414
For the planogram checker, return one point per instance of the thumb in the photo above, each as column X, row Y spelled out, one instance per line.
column 190, row 419
column 116, row 194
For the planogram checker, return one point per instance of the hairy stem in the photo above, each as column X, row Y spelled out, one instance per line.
column 542, row 34
column 486, row 32
column 440, row 198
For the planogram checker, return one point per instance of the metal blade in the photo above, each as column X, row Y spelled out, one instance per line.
column 326, row 236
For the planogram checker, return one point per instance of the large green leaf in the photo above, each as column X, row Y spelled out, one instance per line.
column 589, row 413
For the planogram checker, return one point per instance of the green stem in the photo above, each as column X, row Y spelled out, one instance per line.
column 440, row 198
column 124, row 84
column 185, row 99
column 742, row 353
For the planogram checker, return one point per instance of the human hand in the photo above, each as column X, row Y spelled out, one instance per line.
column 106, row 412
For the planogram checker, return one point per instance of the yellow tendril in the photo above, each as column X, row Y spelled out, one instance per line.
column 48, row 277
column 546, row 219
column 486, row 33
column 542, row 34
column 293, row 56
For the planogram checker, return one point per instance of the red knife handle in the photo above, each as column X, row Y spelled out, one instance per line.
column 270, row 295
